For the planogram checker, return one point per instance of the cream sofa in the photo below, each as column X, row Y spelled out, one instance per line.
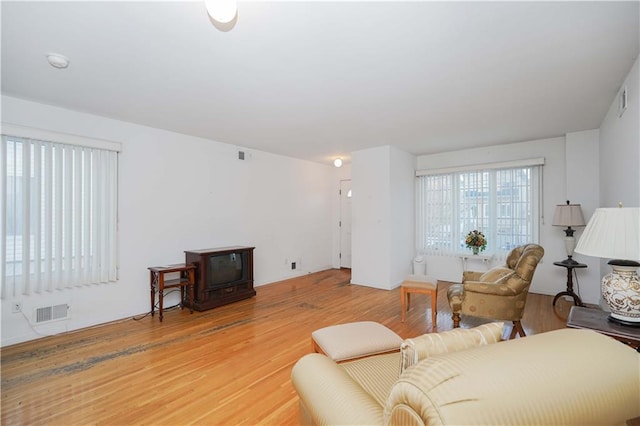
column 461, row 377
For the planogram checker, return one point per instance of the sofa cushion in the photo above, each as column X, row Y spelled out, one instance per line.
column 416, row 349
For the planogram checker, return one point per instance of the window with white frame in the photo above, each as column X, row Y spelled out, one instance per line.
column 500, row 201
column 58, row 215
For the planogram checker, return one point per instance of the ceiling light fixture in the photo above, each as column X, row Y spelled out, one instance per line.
column 57, row 61
column 337, row 162
column 222, row 11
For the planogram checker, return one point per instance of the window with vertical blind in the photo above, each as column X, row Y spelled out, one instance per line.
column 501, row 201
column 59, row 212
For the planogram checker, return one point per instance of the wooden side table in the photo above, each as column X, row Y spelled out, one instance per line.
column 158, row 283
column 598, row 320
column 569, row 292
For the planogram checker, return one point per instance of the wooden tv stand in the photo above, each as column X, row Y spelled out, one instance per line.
column 208, row 295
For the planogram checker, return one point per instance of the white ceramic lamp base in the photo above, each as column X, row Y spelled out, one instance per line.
column 621, row 291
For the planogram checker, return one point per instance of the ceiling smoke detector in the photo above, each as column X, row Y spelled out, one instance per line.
column 57, row 61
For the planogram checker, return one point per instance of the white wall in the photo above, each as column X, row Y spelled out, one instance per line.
column 383, row 211
column 548, row 279
column 620, row 149
column 370, row 224
column 179, row 193
column 583, row 187
column 582, row 174
column 619, row 157
column 402, row 238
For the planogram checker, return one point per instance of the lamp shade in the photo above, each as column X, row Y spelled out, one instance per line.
column 568, row 215
column 612, row 233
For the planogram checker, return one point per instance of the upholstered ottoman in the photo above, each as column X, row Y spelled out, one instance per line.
column 354, row 340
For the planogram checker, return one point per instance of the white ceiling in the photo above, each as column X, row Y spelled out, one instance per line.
column 315, row 80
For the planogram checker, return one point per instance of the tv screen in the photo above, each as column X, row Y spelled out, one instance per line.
column 225, row 268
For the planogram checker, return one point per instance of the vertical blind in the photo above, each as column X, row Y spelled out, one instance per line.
column 59, row 213
column 502, row 203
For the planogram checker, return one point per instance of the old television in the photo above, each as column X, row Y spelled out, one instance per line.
column 223, row 275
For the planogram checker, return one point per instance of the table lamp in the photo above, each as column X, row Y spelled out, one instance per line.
column 614, row 233
column 568, row 215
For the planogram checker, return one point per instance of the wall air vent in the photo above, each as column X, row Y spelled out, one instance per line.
column 51, row 313
column 622, row 101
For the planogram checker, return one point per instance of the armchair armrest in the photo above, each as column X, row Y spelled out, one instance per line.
column 330, row 396
column 471, row 276
column 496, row 288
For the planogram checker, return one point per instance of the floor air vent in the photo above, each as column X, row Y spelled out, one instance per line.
column 51, row 313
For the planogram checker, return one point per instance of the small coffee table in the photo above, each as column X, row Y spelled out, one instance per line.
column 597, row 320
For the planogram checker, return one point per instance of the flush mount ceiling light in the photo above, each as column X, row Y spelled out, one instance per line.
column 337, row 162
column 222, row 11
column 57, row 61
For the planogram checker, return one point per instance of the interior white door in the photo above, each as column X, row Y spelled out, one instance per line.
column 345, row 223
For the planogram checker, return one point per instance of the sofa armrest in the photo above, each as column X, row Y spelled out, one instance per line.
column 418, row 348
column 330, row 396
column 544, row 379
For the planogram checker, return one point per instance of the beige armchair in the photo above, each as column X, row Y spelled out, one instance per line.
column 501, row 292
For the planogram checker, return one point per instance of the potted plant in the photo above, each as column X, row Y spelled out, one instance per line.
column 476, row 241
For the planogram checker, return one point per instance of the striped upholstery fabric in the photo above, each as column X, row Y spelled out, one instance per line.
column 329, row 396
column 419, row 348
column 525, row 381
column 376, row 375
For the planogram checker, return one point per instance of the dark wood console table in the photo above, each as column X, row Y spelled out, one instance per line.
column 158, row 283
column 598, row 320
column 570, row 265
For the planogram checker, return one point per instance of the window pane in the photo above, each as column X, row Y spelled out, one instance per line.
column 497, row 202
column 435, row 203
column 58, row 199
column 473, row 200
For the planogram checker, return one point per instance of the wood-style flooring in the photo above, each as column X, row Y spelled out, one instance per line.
column 227, row 366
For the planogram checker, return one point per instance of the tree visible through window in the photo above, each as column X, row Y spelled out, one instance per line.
column 501, row 203
column 58, row 209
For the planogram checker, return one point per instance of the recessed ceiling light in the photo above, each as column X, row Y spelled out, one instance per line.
column 57, row 61
column 337, row 162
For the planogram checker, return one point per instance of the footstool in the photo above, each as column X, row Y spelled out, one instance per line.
column 354, row 340
column 419, row 284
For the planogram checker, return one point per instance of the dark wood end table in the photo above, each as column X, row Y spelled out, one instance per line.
column 158, row 283
column 598, row 320
column 570, row 264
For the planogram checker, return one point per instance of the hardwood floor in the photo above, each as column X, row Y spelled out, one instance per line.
column 228, row 366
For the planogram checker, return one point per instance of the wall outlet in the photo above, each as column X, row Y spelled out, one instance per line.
column 16, row 307
column 293, row 265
